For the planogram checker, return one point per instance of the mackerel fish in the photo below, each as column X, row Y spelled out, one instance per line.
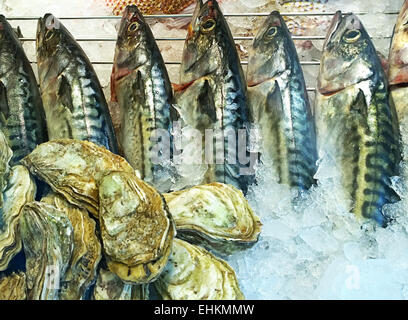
column 74, row 102
column 141, row 86
column 22, row 118
column 357, row 124
column 280, row 105
column 212, row 94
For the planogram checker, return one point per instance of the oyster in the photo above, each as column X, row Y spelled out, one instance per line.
column 136, row 228
column 195, row 274
column 20, row 190
column 110, row 287
column 74, row 168
column 47, row 236
column 215, row 215
column 13, row 287
column 86, row 253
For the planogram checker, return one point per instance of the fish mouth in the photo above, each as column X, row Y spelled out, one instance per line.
column 275, row 19
column 132, row 14
column 329, row 92
column 2, row 22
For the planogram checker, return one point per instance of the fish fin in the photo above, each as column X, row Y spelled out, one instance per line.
column 114, row 97
column 274, row 103
column 392, row 196
column 206, row 104
column 138, row 86
column 174, row 113
column 181, row 87
column 18, row 32
column 360, row 104
column 65, row 92
column 4, row 107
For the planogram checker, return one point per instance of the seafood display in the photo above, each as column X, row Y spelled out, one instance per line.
column 136, row 228
column 195, row 274
column 356, row 121
column 216, row 216
column 141, row 86
column 74, row 169
column 22, row 117
column 74, row 103
column 280, row 105
column 86, row 216
column 212, row 94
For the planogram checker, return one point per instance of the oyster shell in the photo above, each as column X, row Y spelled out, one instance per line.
column 110, row 287
column 136, row 228
column 13, row 287
column 214, row 215
column 86, row 253
column 74, row 169
column 20, row 190
column 47, row 236
column 5, row 156
column 195, row 274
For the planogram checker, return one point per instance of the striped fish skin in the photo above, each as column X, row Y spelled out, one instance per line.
column 141, row 86
column 356, row 119
column 74, row 103
column 398, row 65
column 22, row 116
column 212, row 92
column 280, row 105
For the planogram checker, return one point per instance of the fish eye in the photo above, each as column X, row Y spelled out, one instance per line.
column 272, row 32
column 133, row 27
column 352, row 35
column 208, row 25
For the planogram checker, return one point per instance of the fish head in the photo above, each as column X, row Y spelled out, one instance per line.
column 8, row 45
column 398, row 57
column 52, row 41
column 201, row 54
column 134, row 40
column 271, row 50
column 49, row 34
column 349, row 56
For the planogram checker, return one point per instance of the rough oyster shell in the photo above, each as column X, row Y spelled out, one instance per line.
column 136, row 228
column 110, row 287
column 5, row 156
column 193, row 273
column 47, row 236
column 215, row 215
column 20, row 190
column 86, row 253
column 13, row 287
column 74, row 169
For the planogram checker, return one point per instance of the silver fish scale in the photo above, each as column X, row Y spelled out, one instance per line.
column 303, row 131
column 161, row 99
column 233, row 118
column 22, row 125
column 87, row 118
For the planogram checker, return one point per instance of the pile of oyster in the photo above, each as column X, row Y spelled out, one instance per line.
column 89, row 227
